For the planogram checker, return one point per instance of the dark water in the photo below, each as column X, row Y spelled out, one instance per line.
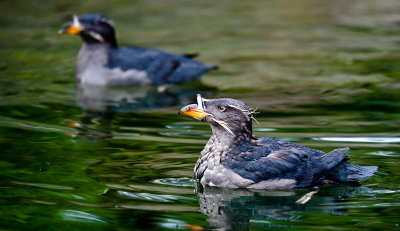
column 322, row 74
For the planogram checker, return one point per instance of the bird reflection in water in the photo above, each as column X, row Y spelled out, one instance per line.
column 102, row 103
column 239, row 209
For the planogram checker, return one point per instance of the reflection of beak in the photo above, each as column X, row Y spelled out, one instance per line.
column 73, row 27
column 194, row 110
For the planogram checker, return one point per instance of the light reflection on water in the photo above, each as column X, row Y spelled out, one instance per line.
column 72, row 215
column 384, row 153
column 360, row 139
column 153, row 197
column 180, row 182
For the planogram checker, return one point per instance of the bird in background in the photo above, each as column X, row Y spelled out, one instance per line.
column 101, row 62
column 235, row 158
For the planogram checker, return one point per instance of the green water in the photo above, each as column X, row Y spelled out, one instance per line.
column 322, row 74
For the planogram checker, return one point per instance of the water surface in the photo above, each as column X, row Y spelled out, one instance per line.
column 325, row 75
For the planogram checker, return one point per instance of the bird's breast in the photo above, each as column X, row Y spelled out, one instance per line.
column 209, row 170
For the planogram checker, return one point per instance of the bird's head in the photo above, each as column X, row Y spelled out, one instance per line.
column 227, row 117
column 93, row 28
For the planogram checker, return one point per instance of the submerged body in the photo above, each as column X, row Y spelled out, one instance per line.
column 101, row 62
column 235, row 158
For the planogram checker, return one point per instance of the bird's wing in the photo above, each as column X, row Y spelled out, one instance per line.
column 285, row 161
column 157, row 64
column 161, row 67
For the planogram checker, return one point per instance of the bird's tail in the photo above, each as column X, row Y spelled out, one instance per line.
column 333, row 158
column 212, row 67
column 348, row 172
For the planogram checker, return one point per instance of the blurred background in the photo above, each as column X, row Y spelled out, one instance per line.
column 322, row 74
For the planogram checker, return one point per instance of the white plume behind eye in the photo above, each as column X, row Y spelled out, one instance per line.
column 200, row 102
column 96, row 36
column 75, row 21
column 224, row 125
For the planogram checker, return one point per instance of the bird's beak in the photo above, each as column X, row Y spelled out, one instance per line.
column 73, row 27
column 195, row 110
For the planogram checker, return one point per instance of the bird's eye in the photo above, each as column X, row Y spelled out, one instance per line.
column 221, row 108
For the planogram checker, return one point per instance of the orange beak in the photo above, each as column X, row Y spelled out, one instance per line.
column 194, row 111
column 71, row 27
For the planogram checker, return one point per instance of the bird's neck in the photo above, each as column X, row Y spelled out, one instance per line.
column 232, row 136
column 91, row 61
column 222, row 143
column 93, row 53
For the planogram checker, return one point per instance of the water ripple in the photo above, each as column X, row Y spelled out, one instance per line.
column 48, row 186
column 31, row 125
column 164, row 208
column 360, row 139
column 153, row 197
column 264, row 129
column 177, row 126
column 73, row 215
column 181, row 182
column 380, row 191
column 383, row 153
column 173, row 224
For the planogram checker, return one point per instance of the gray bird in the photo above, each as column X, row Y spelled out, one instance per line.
column 101, row 62
column 235, row 158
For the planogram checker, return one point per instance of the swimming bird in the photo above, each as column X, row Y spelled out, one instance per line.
column 235, row 158
column 101, row 62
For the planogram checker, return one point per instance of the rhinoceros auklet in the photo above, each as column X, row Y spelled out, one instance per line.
column 101, row 62
column 235, row 158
